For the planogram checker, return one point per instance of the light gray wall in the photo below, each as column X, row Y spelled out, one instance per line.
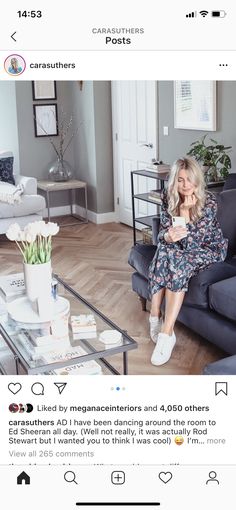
column 37, row 153
column 8, row 121
column 90, row 153
column 103, row 141
column 93, row 147
column 178, row 142
column 84, row 146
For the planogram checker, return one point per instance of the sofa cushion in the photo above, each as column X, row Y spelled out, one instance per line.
column 155, row 229
column 232, row 261
column 225, row 366
column 30, row 204
column 139, row 285
column 230, row 182
column 227, row 217
column 29, row 184
column 198, row 291
column 141, row 256
column 222, row 297
column 6, row 170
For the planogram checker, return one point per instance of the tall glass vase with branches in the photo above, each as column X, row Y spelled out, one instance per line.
column 60, row 170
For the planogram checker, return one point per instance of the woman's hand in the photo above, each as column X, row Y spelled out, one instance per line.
column 175, row 234
column 189, row 201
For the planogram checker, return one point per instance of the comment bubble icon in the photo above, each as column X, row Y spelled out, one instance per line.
column 37, row 388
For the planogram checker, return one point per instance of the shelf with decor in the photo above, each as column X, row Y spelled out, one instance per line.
column 216, row 187
column 160, row 178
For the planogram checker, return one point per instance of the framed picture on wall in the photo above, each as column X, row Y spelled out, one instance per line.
column 43, row 90
column 45, row 120
column 195, row 105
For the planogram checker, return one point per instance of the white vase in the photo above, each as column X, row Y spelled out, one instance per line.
column 38, row 285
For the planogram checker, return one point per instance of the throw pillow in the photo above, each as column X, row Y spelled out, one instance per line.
column 6, row 170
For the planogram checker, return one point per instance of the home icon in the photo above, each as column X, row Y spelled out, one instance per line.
column 23, row 478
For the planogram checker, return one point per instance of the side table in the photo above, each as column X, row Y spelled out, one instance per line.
column 49, row 186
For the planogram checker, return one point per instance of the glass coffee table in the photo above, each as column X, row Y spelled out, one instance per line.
column 91, row 348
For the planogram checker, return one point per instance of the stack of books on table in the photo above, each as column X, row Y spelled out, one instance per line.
column 90, row 367
column 87, row 368
column 158, row 168
column 155, row 195
column 83, row 326
column 37, row 344
column 12, row 286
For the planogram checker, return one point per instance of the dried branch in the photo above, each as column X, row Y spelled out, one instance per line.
column 63, row 128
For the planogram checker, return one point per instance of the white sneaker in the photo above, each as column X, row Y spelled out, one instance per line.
column 163, row 349
column 155, row 327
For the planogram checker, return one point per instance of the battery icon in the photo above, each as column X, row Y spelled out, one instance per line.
column 218, row 14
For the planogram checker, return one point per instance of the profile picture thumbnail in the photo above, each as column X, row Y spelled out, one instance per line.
column 14, row 64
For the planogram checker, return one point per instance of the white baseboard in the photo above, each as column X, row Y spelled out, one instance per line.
column 57, row 211
column 99, row 219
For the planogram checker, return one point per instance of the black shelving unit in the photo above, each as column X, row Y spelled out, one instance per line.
column 214, row 187
column 145, row 220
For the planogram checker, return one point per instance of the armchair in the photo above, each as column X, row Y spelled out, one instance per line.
column 30, row 207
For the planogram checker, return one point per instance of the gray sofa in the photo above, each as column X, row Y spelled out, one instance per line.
column 209, row 306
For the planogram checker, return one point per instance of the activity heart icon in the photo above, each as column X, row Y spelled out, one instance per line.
column 165, row 477
column 14, row 387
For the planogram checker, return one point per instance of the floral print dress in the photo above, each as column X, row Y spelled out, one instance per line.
column 175, row 263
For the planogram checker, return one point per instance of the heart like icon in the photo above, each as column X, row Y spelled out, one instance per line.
column 14, row 387
column 165, row 476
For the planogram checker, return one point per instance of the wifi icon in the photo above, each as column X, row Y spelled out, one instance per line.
column 203, row 13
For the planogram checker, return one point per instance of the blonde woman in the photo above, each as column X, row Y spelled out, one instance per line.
column 182, row 251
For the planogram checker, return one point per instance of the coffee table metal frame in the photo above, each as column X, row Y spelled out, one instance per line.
column 93, row 355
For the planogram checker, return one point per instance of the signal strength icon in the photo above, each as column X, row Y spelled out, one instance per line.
column 192, row 14
column 204, row 13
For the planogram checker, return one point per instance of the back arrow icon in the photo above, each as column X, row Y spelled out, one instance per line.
column 12, row 36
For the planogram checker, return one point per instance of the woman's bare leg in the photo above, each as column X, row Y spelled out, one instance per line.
column 173, row 304
column 157, row 299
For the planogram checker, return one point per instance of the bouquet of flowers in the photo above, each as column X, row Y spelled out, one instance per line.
column 34, row 241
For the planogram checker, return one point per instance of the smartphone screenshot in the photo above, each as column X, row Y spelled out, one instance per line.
column 118, row 256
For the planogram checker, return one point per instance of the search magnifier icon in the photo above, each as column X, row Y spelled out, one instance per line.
column 69, row 477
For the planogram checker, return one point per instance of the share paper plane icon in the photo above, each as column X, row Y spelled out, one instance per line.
column 60, row 386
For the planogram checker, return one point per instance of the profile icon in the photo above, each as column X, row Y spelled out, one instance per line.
column 14, row 65
column 212, row 477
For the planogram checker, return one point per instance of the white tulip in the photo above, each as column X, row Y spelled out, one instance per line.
column 37, row 226
column 30, row 236
column 34, row 227
column 49, row 229
column 21, row 236
column 53, row 227
column 13, row 232
column 45, row 231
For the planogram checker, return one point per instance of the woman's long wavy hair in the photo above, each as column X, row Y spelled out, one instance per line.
column 196, row 177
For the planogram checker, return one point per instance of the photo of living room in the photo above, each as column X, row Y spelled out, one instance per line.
column 94, row 158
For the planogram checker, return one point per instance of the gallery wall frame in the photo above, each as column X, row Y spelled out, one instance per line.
column 195, row 105
column 44, row 90
column 45, row 119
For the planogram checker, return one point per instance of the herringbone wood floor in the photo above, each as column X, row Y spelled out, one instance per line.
column 93, row 259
